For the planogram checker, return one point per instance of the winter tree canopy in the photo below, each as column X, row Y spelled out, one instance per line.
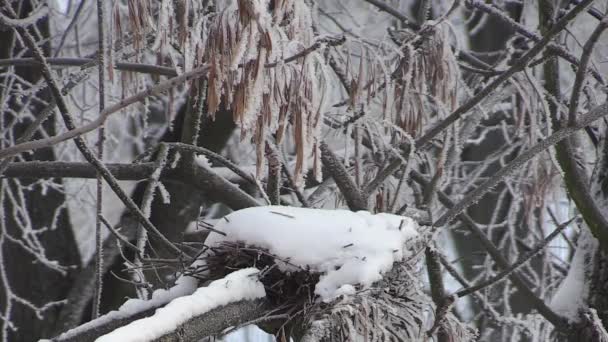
column 306, row 170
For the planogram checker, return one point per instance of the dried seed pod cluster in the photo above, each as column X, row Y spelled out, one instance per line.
column 248, row 43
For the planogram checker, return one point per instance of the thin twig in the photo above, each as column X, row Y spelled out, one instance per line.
column 215, row 157
column 102, row 53
column 582, row 69
column 119, row 236
column 80, row 62
column 70, row 27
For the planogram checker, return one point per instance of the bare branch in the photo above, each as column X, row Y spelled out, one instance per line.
column 582, row 69
column 56, row 169
column 78, row 62
column 37, row 14
column 348, row 188
column 76, row 132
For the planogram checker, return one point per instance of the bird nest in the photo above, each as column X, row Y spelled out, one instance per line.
column 394, row 309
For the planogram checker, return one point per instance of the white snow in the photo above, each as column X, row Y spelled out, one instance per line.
column 572, row 293
column 250, row 333
column 239, row 285
column 184, row 285
column 348, row 248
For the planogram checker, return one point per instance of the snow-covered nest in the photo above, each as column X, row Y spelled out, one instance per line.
column 346, row 274
column 345, row 249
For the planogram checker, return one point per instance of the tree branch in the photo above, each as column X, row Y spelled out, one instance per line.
column 352, row 194
column 209, row 324
column 582, row 70
column 216, row 321
column 56, row 169
column 77, row 62
column 220, row 189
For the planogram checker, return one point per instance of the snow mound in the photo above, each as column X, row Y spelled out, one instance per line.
column 184, row 285
column 572, row 294
column 347, row 248
column 240, row 285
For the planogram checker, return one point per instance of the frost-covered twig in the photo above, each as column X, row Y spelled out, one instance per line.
column 146, row 207
column 215, row 157
column 101, row 138
column 123, row 240
column 582, row 69
column 69, row 28
column 29, row 132
column 79, row 62
column 37, row 14
column 394, row 12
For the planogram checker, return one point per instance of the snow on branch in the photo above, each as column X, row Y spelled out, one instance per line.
column 129, row 311
column 237, row 286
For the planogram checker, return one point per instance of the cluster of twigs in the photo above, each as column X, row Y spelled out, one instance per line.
column 294, row 288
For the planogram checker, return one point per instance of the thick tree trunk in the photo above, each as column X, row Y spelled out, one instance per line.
column 27, row 277
column 598, row 292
